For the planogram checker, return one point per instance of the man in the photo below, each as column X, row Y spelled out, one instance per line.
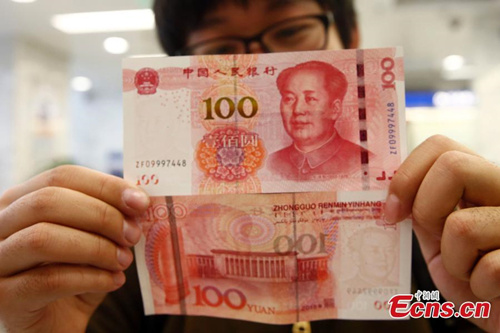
column 65, row 234
column 311, row 102
column 373, row 252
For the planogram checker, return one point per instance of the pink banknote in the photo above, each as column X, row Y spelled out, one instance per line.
column 264, row 123
column 272, row 258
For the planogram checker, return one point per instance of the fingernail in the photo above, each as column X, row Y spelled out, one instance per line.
column 392, row 208
column 131, row 232
column 135, row 199
column 124, row 257
column 119, row 278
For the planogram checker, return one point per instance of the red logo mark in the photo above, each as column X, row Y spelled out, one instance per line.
column 147, row 81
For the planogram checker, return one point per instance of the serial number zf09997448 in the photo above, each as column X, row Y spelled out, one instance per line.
column 160, row 164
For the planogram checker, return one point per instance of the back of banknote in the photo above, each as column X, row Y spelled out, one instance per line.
column 264, row 123
column 274, row 258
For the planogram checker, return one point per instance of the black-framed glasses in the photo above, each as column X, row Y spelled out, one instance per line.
column 303, row 33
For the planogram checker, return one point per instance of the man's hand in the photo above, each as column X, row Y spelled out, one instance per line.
column 461, row 246
column 64, row 243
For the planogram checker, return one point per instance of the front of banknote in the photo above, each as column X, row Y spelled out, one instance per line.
column 264, row 123
column 267, row 175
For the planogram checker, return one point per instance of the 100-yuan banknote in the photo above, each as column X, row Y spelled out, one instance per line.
column 264, row 123
column 273, row 258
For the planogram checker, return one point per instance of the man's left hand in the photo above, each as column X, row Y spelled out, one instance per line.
column 454, row 197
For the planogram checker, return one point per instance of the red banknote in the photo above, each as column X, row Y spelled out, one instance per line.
column 267, row 174
column 264, row 123
column 274, row 258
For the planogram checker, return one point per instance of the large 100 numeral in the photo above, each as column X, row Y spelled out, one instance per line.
column 213, row 297
column 217, row 108
column 300, row 245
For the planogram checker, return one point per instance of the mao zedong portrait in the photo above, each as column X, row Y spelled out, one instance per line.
column 312, row 94
column 374, row 252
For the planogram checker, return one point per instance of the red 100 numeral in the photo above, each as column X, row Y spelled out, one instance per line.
column 213, row 297
column 388, row 77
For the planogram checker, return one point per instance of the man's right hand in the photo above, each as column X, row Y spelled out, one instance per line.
column 64, row 243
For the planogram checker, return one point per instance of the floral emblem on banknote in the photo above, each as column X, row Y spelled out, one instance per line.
column 146, row 81
column 230, row 154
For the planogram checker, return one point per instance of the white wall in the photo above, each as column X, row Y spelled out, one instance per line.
column 487, row 88
column 6, row 114
column 40, row 106
column 43, row 123
column 458, row 123
column 96, row 129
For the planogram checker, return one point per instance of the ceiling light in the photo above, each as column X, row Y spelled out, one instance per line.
column 23, row 1
column 116, row 45
column 81, row 84
column 453, row 62
column 121, row 20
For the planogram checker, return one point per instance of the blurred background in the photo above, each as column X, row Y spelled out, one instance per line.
column 60, row 87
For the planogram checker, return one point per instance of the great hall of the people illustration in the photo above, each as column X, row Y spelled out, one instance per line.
column 258, row 266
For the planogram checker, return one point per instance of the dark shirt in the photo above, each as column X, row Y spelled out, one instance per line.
column 335, row 158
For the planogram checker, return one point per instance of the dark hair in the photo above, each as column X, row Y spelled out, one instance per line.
column 335, row 81
column 175, row 19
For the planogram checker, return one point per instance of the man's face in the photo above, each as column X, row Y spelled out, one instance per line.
column 233, row 20
column 377, row 256
column 308, row 112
